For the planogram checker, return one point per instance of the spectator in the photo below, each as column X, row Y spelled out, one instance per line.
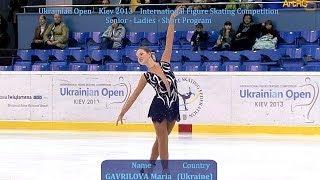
column 178, row 2
column 57, row 34
column 101, row 2
column 227, row 34
column 113, row 37
column 269, row 37
column 147, row 6
column 38, row 42
column 144, row 2
column 4, row 37
column 231, row 6
column 199, row 39
column 199, row 4
column 134, row 5
column 250, row 5
column 246, row 34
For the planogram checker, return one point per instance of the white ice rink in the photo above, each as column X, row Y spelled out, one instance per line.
column 77, row 156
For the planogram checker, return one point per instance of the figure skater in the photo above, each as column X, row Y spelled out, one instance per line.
column 164, row 109
column 185, row 97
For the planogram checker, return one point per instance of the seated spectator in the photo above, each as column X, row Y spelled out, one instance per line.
column 144, row 2
column 38, row 42
column 113, row 37
column 199, row 39
column 100, row 2
column 134, row 5
column 246, row 34
column 250, row 5
column 231, row 6
column 178, row 2
column 227, row 34
column 146, row 6
column 199, row 4
column 4, row 37
column 268, row 38
column 57, row 34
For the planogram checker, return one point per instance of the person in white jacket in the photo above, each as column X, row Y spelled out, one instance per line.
column 113, row 37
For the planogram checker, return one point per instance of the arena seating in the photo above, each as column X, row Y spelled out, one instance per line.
column 297, row 51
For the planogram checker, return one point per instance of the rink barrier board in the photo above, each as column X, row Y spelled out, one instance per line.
column 196, row 129
column 61, row 113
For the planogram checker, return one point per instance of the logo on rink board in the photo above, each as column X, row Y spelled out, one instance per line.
column 306, row 107
column 295, row 3
column 190, row 97
column 296, row 99
column 126, row 89
column 90, row 93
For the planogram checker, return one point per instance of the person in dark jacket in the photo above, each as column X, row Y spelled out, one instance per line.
column 246, row 34
column 114, row 35
column 268, row 37
column 57, row 34
column 38, row 42
column 226, row 36
column 199, row 39
column 268, row 28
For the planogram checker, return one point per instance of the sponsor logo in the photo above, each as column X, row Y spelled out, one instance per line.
column 306, row 107
column 299, row 99
column 191, row 97
column 295, row 3
column 90, row 93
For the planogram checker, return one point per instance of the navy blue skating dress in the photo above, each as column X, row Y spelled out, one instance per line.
column 165, row 104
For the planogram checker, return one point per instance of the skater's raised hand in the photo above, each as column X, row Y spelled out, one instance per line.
column 177, row 11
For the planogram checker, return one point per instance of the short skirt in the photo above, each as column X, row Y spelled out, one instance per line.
column 159, row 111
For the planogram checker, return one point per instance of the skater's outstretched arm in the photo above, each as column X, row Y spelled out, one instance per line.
column 142, row 83
column 166, row 56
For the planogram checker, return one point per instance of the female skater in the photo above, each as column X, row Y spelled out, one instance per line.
column 164, row 109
